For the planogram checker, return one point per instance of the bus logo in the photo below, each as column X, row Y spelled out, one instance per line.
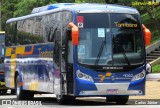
column 80, row 25
column 102, row 77
column 80, row 21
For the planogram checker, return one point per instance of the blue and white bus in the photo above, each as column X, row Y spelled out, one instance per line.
column 77, row 50
column 3, row 89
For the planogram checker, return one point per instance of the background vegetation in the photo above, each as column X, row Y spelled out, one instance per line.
column 156, row 68
column 15, row 8
column 149, row 10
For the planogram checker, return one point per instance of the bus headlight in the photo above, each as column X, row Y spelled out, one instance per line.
column 84, row 76
column 139, row 76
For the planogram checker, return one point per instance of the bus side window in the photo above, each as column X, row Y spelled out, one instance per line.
column 57, row 47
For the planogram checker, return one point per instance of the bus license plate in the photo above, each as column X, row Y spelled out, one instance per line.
column 112, row 91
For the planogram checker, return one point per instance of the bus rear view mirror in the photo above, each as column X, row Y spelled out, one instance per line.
column 75, row 33
column 147, row 35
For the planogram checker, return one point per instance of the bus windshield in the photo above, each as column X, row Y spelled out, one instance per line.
column 110, row 39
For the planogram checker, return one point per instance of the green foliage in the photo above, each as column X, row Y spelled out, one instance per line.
column 146, row 18
column 156, row 68
column 25, row 6
column 156, row 37
column 7, row 10
column 17, row 8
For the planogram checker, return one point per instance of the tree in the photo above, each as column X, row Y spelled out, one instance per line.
column 151, row 12
column 17, row 8
column 25, row 7
column 7, row 10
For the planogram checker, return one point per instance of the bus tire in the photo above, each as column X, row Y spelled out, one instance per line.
column 70, row 98
column 121, row 100
column 110, row 99
column 4, row 91
column 60, row 99
column 65, row 99
column 22, row 94
column 13, row 92
column 30, row 95
column 19, row 93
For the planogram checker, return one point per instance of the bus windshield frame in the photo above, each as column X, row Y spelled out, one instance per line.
column 110, row 39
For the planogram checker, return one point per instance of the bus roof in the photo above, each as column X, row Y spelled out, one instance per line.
column 51, row 7
column 84, row 7
column 2, row 32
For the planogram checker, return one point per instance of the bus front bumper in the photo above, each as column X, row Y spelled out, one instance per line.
column 111, row 89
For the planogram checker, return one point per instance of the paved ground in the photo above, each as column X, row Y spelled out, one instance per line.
column 48, row 102
column 152, row 91
column 152, row 87
column 153, row 77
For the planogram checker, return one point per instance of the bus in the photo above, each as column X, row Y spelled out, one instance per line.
column 77, row 50
column 3, row 89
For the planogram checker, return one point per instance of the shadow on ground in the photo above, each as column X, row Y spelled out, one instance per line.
column 77, row 102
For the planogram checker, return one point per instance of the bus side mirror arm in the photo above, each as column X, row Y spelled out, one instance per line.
column 147, row 35
column 75, row 33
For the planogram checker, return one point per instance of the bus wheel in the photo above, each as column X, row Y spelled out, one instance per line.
column 13, row 92
column 121, row 100
column 4, row 91
column 19, row 93
column 110, row 99
column 22, row 94
column 65, row 99
column 60, row 99
column 71, row 98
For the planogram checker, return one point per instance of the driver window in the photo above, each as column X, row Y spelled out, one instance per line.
column 84, row 47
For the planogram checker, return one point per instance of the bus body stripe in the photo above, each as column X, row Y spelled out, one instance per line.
column 13, row 69
column 33, row 85
column 8, row 51
column 20, row 50
column 21, row 83
column 30, row 52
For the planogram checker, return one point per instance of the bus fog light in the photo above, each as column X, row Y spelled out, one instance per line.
column 139, row 76
column 84, row 76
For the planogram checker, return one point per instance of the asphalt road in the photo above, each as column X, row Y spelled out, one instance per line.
column 48, row 101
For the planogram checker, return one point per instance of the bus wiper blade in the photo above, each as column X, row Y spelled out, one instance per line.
column 120, row 47
column 100, row 52
column 125, row 57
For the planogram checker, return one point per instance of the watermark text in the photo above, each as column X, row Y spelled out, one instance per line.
column 16, row 102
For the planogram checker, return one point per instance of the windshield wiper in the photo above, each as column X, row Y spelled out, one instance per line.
column 100, row 51
column 125, row 57
column 120, row 47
